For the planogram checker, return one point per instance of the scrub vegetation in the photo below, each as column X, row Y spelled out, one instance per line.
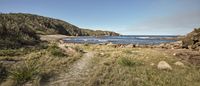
column 28, row 60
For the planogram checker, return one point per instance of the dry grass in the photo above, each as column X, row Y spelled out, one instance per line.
column 138, row 67
column 110, row 67
column 37, row 66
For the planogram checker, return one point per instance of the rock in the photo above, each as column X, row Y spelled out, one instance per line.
column 163, row 65
column 192, row 40
column 137, row 45
column 175, row 54
column 178, row 63
column 152, row 64
column 102, row 54
column 161, row 45
column 190, row 47
column 102, row 43
column 110, row 43
column 130, row 46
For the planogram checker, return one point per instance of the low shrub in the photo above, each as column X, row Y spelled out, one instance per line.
column 25, row 72
column 125, row 61
column 56, row 51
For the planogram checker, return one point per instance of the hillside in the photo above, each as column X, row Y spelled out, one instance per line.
column 192, row 40
column 19, row 29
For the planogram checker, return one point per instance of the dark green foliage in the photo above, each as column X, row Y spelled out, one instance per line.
column 192, row 39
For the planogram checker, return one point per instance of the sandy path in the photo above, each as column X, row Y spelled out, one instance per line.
column 79, row 69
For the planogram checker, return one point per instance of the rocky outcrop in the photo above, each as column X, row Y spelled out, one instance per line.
column 192, row 40
column 172, row 45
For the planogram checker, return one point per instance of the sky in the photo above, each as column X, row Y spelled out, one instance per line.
column 127, row 17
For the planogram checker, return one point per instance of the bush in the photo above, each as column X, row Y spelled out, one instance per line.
column 192, row 39
column 56, row 51
column 126, row 61
column 25, row 72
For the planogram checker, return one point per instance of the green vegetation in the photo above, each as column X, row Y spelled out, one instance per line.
column 56, row 51
column 18, row 29
column 25, row 72
column 34, row 65
column 109, row 66
column 125, row 61
column 117, row 67
column 192, row 39
column 88, row 32
column 25, row 59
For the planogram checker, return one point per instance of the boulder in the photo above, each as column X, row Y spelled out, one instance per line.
column 130, row 46
column 152, row 64
column 175, row 54
column 102, row 54
column 178, row 63
column 163, row 65
column 110, row 43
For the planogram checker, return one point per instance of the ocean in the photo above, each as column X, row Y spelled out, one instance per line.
column 124, row 39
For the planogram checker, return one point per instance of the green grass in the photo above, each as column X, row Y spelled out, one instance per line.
column 109, row 67
column 120, row 68
column 23, row 50
column 56, row 51
column 34, row 65
column 125, row 61
column 24, row 72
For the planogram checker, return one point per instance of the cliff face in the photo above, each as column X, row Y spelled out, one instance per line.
column 18, row 29
column 192, row 40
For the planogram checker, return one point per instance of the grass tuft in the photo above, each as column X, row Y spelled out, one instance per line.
column 25, row 72
column 125, row 61
column 56, row 51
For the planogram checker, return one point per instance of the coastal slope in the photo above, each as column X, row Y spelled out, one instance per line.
column 20, row 29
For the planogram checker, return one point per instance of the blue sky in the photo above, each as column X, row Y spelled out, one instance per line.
column 133, row 17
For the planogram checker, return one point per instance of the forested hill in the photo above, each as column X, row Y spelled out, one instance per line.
column 19, row 29
column 46, row 25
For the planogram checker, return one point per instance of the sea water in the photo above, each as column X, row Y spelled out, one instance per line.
column 124, row 39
